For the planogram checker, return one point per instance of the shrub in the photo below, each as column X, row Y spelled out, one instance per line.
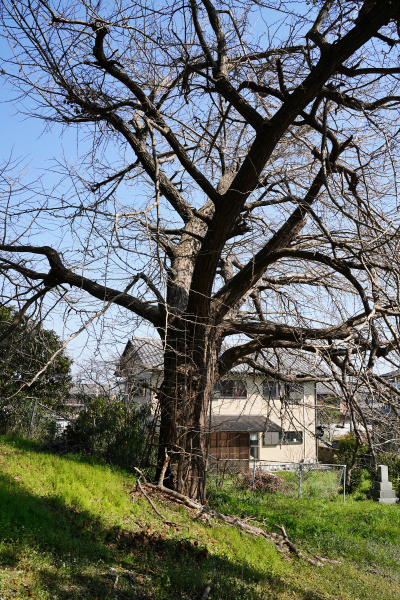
column 364, row 473
column 109, row 430
column 344, row 451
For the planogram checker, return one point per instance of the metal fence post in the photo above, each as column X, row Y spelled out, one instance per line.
column 33, row 415
column 254, row 474
column 344, row 483
column 300, row 479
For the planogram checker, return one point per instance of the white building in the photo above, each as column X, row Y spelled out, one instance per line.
column 251, row 415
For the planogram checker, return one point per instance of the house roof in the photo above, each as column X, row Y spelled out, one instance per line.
column 391, row 374
column 141, row 355
column 253, row 423
column 146, row 355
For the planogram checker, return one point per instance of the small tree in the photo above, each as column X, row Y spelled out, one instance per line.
column 28, row 370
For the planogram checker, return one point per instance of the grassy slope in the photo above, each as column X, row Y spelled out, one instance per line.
column 68, row 528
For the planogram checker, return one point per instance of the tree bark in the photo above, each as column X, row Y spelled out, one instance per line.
column 189, row 368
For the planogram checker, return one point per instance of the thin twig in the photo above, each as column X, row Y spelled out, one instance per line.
column 207, row 590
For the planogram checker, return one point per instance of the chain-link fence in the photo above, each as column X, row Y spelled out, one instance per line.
column 295, row 480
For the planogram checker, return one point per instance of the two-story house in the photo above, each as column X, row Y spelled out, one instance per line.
column 251, row 414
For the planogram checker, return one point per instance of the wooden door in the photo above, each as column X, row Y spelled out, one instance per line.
column 232, row 445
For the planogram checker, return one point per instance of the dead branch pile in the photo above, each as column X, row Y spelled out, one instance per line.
column 266, row 482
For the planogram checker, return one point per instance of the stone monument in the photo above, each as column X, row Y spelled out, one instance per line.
column 382, row 490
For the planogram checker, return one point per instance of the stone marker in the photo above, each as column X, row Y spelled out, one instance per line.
column 382, row 490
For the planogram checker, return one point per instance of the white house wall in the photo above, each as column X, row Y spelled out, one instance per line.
column 294, row 417
column 300, row 417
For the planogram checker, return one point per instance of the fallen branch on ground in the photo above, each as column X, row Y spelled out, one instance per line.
column 294, row 548
column 231, row 520
column 327, row 560
column 166, row 521
column 207, row 590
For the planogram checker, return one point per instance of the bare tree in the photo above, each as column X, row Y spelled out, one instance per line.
column 239, row 182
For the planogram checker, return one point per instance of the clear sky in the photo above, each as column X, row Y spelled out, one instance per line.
column 27, row 139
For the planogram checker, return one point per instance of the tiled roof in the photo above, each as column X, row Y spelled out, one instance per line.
column 146, row 354
column 253, row 423
column 391, row 374
column 141, row 355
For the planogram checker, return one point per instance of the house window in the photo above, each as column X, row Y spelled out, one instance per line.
column 292, row 437
column 273, row 390
column 230, row 388
column 254, row 445
column 271, row 438
column 274, row 438
column 291, row 392
column 295, row 393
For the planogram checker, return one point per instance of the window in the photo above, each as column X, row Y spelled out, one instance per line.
column 292, row 437
column 230, row 388
column 254, row 445
column 273, row 390
column 274, row 438
column 295, row 393
column 291, row 392
column 271, row 438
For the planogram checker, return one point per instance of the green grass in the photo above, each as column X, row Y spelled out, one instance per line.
column 68, row 527
column 359, row 530
column 315, row 484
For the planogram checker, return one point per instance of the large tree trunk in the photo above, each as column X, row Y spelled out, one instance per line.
column 189, row 367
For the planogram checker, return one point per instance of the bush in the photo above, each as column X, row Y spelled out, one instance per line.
column 344, row 451
column 109, row 430
column 364, row 474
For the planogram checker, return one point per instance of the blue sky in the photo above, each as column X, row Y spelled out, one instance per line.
column 27, row 139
